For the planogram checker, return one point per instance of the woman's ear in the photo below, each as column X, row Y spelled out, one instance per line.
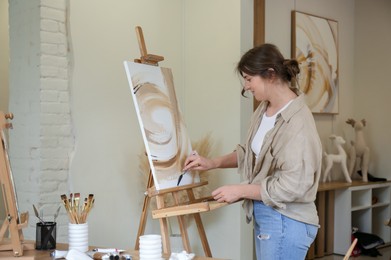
column 271, row 74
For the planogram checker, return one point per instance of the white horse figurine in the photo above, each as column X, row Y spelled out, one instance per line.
column 359, row 152
column 340, row 158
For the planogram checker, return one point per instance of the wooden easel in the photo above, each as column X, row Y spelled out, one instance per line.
column 192, row 206
column 13, row 222
column 146, row 58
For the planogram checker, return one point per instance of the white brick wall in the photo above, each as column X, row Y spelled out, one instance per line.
column 56, row 129
column 42, row 140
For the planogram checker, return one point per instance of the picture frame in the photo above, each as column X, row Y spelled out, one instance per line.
column 315, row 47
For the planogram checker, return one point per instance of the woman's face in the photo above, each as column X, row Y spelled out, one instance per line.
column 256, row 85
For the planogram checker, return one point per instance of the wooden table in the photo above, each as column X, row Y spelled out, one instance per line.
column 45, row 254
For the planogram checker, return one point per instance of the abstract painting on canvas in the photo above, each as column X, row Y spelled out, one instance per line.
column 315, row 47
column 165, row 137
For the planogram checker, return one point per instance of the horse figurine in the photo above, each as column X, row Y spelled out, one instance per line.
column 359, row 152
column 340, row 158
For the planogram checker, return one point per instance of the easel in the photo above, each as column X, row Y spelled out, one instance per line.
column 191, row 207
column 146, row 58
column 13, row 223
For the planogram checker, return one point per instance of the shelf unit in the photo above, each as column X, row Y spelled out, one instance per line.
column 355, row 207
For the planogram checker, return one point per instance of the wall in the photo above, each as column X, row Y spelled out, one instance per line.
column 371, row 83
column 4, row 60
column 4, row 55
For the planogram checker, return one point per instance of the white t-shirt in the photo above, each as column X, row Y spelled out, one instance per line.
column 267, row 123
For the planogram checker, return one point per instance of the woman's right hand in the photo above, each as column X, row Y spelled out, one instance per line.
column 196, row 162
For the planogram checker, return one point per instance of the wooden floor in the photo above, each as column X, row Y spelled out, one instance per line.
column 386, row 254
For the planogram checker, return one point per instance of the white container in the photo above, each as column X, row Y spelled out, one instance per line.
column 78, row 237
column 150, row 247
column 150, row 238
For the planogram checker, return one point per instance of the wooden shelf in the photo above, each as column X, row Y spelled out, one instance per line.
column 354, row 207
column 351, row 205
column 344, row 185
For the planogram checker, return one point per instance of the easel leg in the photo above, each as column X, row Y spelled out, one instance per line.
column 200, row 227
column 163, row 227
column 182, row 227
column 143, row 218
column 16, row 239
column 3, row 229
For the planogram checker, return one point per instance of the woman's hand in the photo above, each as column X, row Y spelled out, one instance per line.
column 228, row 193
column 197, row 162
column 233, row 193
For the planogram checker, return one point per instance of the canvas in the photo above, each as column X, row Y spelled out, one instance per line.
column 315, row 46
column 162, row 126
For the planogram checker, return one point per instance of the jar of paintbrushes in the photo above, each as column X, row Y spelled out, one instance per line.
column 78, row 226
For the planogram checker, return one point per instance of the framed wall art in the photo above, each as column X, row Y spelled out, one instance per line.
column 315, row 46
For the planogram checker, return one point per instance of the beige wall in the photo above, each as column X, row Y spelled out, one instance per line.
column 4, row 64
column 372, row 87
column 4, row 55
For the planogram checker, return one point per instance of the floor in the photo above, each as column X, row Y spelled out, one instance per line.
column 386, row 254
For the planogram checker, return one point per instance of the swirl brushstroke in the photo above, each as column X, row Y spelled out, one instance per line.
column 162, row 125
column 317, row 54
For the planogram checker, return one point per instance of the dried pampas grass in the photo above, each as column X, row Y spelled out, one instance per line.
column 203, row 147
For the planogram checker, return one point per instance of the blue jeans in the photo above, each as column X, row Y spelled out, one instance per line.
column 278, row 237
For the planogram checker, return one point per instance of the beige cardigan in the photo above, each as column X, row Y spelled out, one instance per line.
column 289, row 164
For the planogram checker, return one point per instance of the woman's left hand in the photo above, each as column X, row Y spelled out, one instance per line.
column 228, row 193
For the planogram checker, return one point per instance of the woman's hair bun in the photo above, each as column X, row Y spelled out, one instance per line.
column 292, row 68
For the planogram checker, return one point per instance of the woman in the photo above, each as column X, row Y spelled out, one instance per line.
column 280, row 161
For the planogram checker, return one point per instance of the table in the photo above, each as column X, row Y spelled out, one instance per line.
column 45, row 254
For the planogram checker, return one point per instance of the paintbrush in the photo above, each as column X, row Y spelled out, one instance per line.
column 76, row 207
column 64, row 202
column 68, row 208
column 77, row 213
column 89, row 202
column 83, row 209
column 180, row 177
column 71, row 200
column 184, row 172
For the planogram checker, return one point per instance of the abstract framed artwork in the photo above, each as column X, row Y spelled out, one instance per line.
column 165, row 137
column 315, row 47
